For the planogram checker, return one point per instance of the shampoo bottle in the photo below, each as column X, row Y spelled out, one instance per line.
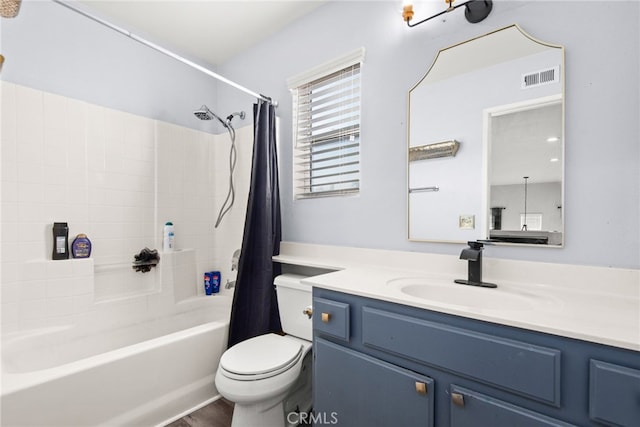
column 168, row 237
column 81, row 246
column 60, row 240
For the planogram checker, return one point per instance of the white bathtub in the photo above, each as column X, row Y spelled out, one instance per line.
column 143, row 375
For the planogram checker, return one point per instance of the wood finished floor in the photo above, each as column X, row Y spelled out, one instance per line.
column 215, row 414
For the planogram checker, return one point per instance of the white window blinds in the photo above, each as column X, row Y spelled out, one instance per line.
column 326, row 127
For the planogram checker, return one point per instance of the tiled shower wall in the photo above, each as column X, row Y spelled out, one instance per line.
column 118, row 178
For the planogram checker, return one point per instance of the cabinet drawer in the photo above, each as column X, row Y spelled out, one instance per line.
column 331, row 318
column 526, row 369
column 614, row 394
column 356, row 390
column 472, row 409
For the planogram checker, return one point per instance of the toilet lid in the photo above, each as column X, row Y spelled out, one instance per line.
column 265, row 354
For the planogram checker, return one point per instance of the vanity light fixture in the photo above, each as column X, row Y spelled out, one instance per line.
column 553, row 139
column 475, row 11
column 10, row 8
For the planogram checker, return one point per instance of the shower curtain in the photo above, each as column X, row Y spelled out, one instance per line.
column 255, row 307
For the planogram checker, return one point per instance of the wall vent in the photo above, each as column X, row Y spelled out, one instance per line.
column 542, row 77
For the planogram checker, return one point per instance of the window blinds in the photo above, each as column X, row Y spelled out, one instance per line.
column 327, row 134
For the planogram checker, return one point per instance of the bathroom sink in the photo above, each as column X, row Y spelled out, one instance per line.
column 445, row 292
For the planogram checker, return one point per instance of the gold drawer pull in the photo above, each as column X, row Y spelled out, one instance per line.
column 326, row 317
column 457, row 399
column 421, row 388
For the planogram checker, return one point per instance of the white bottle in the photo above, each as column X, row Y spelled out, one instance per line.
column 168, row 238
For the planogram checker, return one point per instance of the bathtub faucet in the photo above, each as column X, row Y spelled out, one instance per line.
column 230, row 284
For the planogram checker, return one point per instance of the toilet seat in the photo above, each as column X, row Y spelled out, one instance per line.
column 260, row 357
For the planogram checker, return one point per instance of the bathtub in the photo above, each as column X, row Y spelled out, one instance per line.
column 146, row 374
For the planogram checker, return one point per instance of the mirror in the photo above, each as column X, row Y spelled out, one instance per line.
column 488, row 113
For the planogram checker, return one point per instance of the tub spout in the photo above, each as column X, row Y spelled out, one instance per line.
column 473, row 254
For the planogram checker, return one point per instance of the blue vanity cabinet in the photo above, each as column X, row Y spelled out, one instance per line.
column 371, row 358
column 355, row 389
column 614, row 394
column 471, row 409
column 358, row 390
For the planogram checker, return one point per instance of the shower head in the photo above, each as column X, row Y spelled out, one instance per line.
column 203, row 113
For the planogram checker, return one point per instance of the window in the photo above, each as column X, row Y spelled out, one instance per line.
column 326, row 128
column 533, row 221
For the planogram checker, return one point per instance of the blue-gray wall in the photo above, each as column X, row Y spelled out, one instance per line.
column 52, row 49
column 602, row 204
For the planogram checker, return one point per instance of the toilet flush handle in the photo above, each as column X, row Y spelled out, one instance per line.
column 308, row 311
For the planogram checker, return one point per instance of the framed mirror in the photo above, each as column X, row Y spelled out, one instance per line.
column 486, row 143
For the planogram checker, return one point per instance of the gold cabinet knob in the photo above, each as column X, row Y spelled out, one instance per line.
column 308, row 311
column 421, row 388
column 458, row 399
column 326, row 317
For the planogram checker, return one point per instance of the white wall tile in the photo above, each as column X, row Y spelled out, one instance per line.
column 9, row 116
column 10, row 254
column 30, row 192
column 59, row 269
column 33, row 309
column 82, row 285
column 10, row 315
column 59, row 287
column 10, row 291
column 62, row 306
column 35, row 270
column 33, row 290
column 30, row 212
column 11, row 270
column 29, row 125
column 116, row 177
column 82, row 303
column 45, row 322
column 82, row 267
column 30, row 232
column 32, row 250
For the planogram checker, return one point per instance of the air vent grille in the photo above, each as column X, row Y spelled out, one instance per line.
column 542, row 77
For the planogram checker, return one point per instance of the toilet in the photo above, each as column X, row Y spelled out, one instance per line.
column 268, row 377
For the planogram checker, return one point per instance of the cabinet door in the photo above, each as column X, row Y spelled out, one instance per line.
column 352, row 389
column 614, row 394
column 472, row 409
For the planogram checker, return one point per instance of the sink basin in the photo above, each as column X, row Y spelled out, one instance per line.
column 445, row 292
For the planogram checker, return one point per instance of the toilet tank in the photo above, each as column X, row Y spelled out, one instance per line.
column 293, row 299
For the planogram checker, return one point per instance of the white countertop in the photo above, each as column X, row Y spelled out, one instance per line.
column 600, row 305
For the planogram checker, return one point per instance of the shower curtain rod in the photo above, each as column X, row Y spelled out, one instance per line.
column 165, row 51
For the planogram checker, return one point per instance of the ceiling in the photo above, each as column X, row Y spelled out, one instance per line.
column 520, row 145
column 210, row 30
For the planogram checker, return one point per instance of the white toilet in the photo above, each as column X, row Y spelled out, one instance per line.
column 269, row 377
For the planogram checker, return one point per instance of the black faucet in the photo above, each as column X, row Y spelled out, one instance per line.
column 473, row 254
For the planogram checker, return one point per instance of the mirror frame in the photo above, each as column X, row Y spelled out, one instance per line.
column 485, row 218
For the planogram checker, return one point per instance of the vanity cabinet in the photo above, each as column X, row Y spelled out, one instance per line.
column 383, row 364
column 359, row 390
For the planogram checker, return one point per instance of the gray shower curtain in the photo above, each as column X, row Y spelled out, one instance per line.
column 255, row 307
